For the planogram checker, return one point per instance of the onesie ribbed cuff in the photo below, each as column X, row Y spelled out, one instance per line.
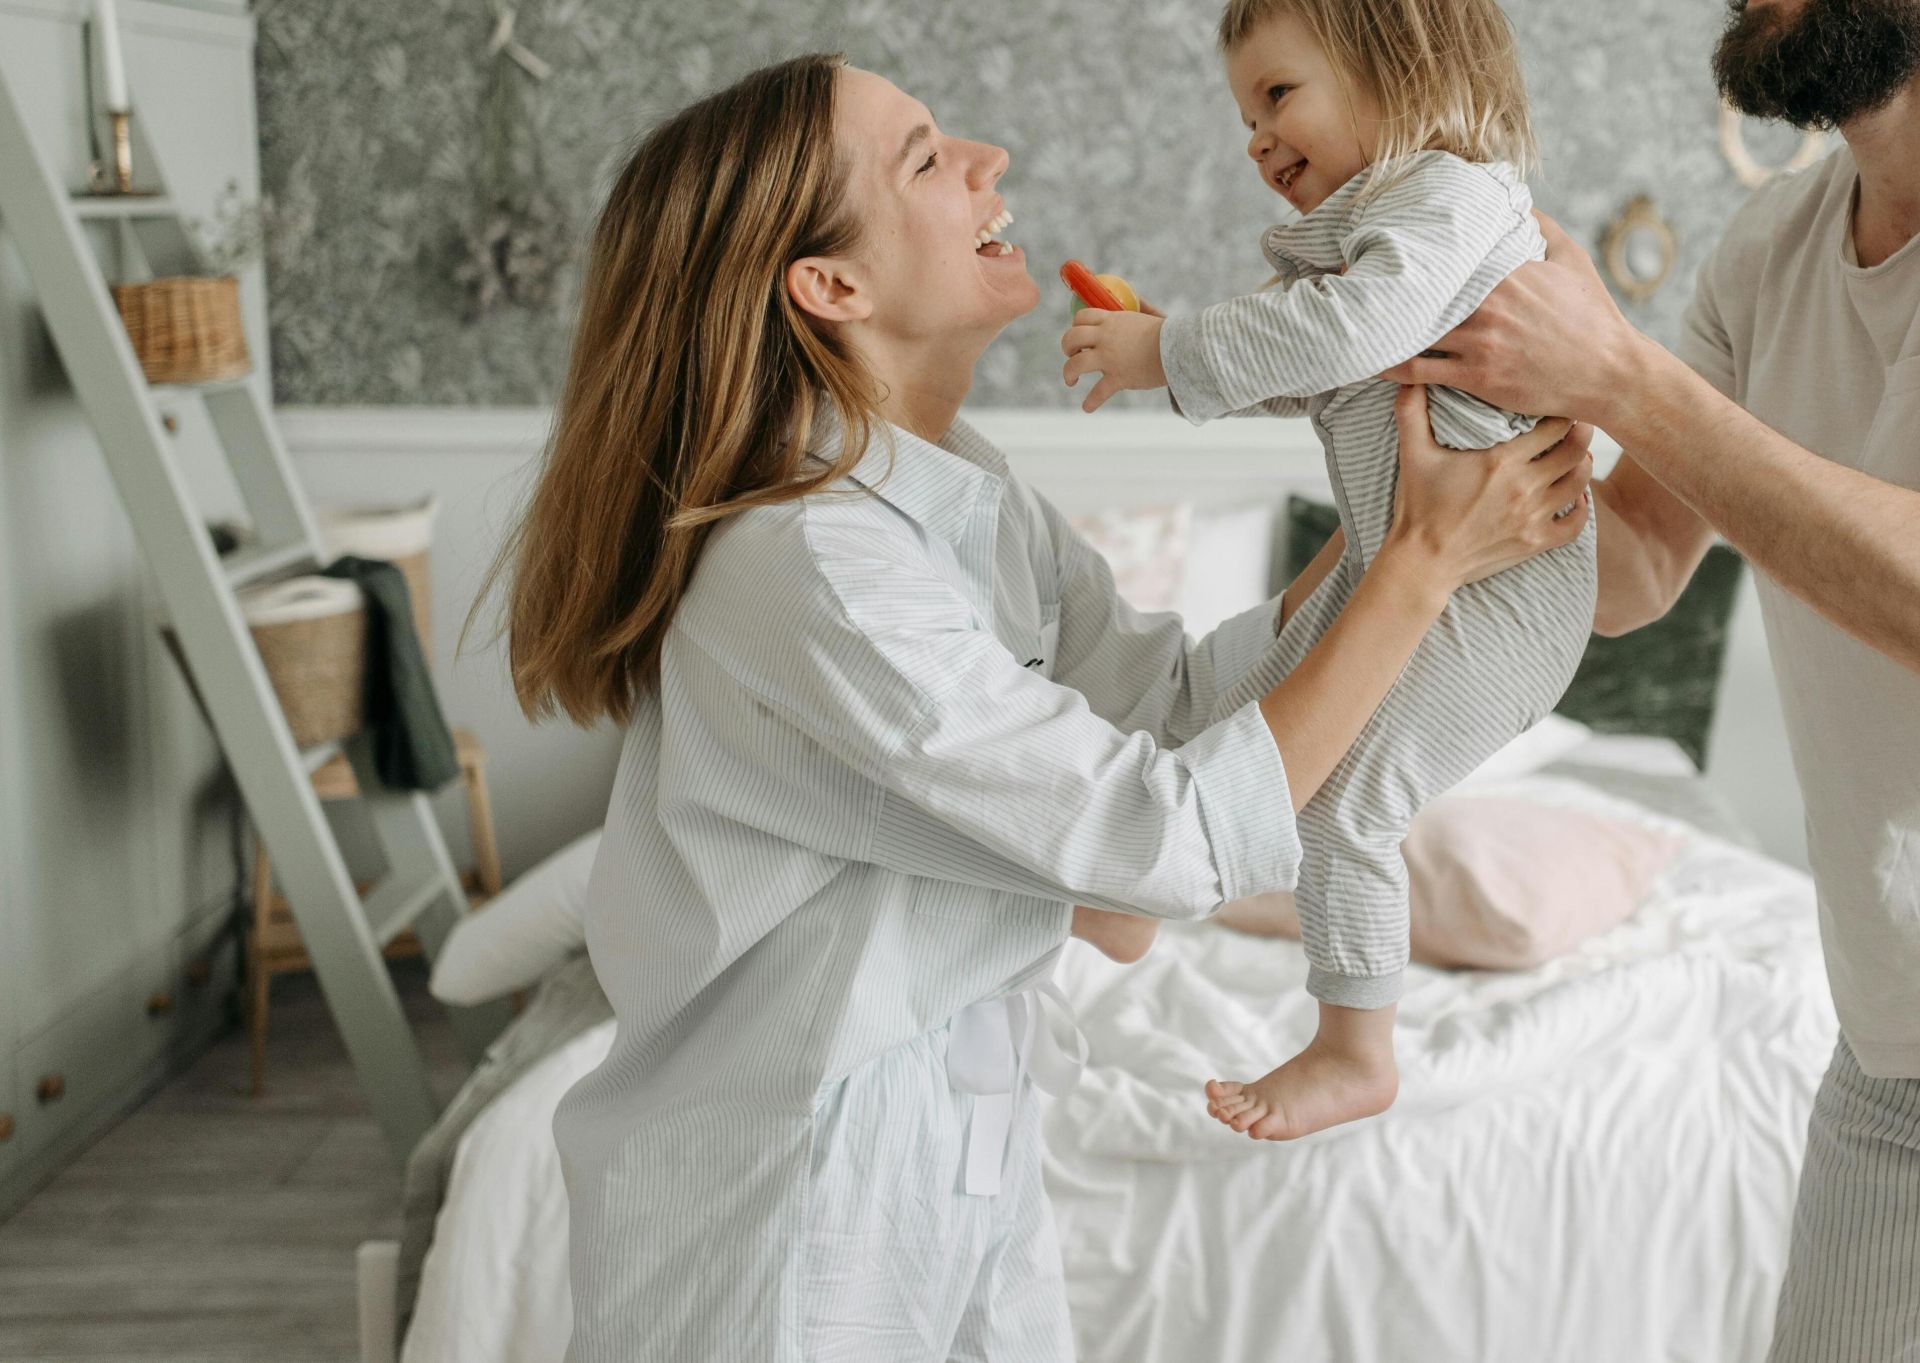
column 1191, row 384
column 1355, row 991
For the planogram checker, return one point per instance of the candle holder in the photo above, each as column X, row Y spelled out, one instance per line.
column 122, row 121
column 115, row 176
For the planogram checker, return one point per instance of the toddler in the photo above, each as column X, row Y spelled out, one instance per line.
column 1398, row 129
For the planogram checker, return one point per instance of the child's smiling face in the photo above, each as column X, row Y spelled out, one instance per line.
column 1311, row 132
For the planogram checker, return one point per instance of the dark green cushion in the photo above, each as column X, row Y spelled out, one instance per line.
column 1661, row 679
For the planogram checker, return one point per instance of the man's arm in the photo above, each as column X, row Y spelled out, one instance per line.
column 1650, row 543
column 1550, row 339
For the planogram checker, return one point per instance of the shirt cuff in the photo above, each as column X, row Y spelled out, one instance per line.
column 1191, row 385
column 1246, row 805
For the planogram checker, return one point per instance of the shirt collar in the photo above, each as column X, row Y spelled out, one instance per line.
column 940, row 486
column 1316, row 243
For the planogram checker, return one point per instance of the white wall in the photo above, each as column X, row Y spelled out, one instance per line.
column 552, row 782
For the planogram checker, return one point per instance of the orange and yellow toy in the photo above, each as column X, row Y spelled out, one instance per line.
column 1107, row 291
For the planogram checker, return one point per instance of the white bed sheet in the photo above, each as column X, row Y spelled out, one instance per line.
column 1594, row 1160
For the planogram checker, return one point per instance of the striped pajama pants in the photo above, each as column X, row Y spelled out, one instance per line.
column 1852, row 1290
column 1496, row 662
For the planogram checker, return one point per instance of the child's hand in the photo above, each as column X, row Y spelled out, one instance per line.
column 1123, row 347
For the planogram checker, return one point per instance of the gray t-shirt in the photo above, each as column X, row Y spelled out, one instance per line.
column 1788, row 324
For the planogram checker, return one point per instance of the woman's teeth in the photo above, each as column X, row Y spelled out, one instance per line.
column 983, row 239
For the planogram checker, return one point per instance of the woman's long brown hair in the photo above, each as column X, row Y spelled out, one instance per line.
column 692, row 388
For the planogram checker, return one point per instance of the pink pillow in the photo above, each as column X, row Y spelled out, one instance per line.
column 1504, row 884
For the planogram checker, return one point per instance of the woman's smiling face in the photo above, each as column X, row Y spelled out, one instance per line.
column 924, row 199
column 1311, row 133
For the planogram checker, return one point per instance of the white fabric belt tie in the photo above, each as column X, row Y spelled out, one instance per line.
column 991, row 1047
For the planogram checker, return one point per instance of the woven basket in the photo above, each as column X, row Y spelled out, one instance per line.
column 185, row 330
column 401, row 535
column 319, row 671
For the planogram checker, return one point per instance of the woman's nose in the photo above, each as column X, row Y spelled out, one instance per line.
column 989, row 163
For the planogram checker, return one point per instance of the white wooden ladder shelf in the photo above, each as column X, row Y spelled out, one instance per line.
column 57, row 236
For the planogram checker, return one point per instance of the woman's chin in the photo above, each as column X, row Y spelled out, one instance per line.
column 1006, row 276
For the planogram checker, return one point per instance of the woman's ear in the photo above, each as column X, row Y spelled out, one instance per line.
column 827, row 289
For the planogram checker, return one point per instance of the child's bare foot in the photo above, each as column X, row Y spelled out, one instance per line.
column 1123, row 936
column 1345, row 1073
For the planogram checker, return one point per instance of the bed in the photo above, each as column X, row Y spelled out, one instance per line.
column 1593, row 1159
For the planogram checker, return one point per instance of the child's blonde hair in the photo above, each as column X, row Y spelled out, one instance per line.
column 1444, row 74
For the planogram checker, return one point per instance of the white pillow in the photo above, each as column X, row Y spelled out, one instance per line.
column 1229, row 568
column 1145, row 548
column 1548, row 741
column 515, row 937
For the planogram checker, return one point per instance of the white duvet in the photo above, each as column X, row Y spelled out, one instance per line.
column 1591, row 1161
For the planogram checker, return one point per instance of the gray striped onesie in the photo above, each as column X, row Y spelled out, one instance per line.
column 1419, row 256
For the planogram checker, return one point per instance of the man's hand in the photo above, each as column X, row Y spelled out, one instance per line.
column 1548, row 340
column 1122, row 347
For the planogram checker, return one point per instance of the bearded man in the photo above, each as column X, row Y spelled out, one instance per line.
column 1790, row 424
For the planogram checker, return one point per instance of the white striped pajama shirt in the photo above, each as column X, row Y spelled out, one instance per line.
column 901, row 726
column 1365, row 284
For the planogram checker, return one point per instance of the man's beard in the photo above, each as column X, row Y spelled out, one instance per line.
column 1825, row 66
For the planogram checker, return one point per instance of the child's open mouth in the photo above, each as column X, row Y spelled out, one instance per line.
column 983, row 240
column 1286, row 177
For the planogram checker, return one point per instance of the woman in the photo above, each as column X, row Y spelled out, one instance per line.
column 886, row 722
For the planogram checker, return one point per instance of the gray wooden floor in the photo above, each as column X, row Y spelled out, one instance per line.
column 214, row 1227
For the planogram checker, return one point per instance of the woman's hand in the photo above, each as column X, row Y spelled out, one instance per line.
column 1460, row 517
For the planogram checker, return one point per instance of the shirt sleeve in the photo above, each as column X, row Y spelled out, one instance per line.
column 988, row 773
column 1409, row 256
column 1705, row 343
column 1280, row 407
column 1141, row 670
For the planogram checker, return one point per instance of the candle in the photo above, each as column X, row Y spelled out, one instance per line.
column 106, row 22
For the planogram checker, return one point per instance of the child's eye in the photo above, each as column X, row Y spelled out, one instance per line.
column 1278, row 92
column 927, row 165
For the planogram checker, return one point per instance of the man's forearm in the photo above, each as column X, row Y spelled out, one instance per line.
column 1845, row 543
column 1650, row 543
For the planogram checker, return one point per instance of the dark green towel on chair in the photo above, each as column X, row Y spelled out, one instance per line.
column 412, row 749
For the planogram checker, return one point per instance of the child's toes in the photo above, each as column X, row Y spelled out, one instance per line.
column 1221, row 1089
column 1273, row 1127
column 1248, row 1115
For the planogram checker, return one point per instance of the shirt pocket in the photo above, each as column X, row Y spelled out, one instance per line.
column 1892, row 451
column 1047, row 641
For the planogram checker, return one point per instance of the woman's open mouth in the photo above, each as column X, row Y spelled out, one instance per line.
column 984, row 243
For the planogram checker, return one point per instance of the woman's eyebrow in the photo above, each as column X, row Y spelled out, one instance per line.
column 921, row 132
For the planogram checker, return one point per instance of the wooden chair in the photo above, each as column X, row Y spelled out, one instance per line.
column 274, row 946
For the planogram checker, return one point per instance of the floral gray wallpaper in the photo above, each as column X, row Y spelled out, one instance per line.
column 433, row 171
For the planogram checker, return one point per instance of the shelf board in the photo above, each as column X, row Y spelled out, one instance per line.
column 120, row 207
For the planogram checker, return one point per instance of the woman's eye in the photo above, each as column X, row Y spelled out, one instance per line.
column 927, row 165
